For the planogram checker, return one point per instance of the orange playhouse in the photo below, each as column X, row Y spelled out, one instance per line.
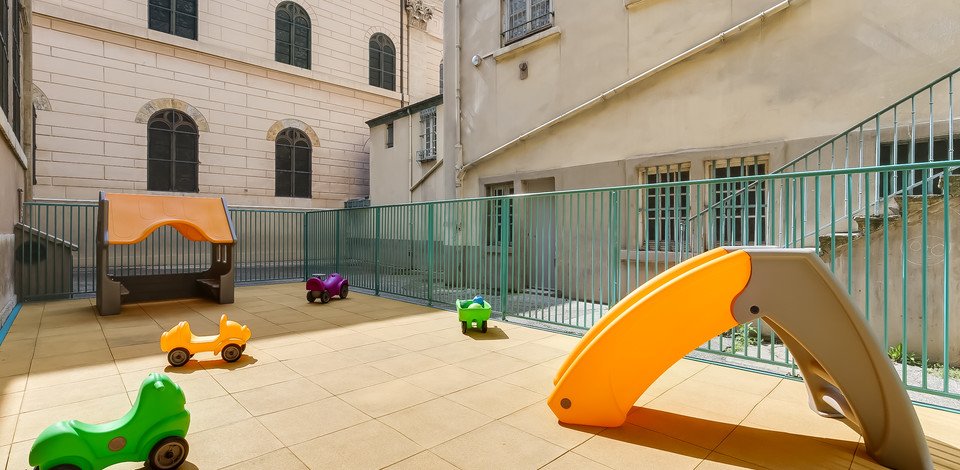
column 127, row 219
column 847, row 374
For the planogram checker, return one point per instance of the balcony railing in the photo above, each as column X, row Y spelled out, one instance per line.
column 528, row 28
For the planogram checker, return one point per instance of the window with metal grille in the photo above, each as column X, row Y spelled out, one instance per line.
column 293, row 35
column 665, row 208
column 428, row 135
column 4, row 55
column 739, row 207
column 294, row 154
column 521, row 18
column 390, row 135
column 904, row 152
column 383, row 63
column 172, row 146
column 177, row 17
column 495, row 210
column 17, row 73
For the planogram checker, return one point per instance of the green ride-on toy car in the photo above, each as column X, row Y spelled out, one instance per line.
column 152, row 431
column 476, row 311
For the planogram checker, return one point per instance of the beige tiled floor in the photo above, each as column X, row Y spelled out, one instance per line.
column 373, row 383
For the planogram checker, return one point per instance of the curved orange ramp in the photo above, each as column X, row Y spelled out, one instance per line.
column 607, row 377
column 131, row 218
column 634, row 297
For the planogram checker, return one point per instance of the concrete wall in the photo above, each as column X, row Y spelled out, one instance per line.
column 394, row 170
column 885, row 294
column 103, row 73
column 809, row 72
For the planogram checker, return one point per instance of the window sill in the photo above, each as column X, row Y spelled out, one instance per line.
column 526, row 43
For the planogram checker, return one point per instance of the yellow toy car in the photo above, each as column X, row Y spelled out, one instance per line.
column 180, row 344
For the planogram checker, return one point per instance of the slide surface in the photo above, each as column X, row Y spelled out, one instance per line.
column 633, row 298
column 605, row 377
column 133, row 217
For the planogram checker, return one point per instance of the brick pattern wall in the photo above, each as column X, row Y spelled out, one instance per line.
column 97, row 82
column 339, row 33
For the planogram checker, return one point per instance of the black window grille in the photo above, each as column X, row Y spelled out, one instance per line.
column 895, row 182
column 666, row 209
column 294, row 153
column 383, row 63
column 293, row 35
column 739, row 207
column 177, row 17
column 522, row 18
column 172, row 147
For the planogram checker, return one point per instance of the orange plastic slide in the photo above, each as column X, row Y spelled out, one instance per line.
column 632, row 299
column 609, row 370
column 133, row 217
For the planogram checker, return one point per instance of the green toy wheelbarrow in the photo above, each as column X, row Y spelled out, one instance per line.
column 473, row 312
column 152, row 431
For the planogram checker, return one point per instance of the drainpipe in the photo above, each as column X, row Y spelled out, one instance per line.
column 759, row 17
column 410, row 154
column 457, row 141
column 403, row 6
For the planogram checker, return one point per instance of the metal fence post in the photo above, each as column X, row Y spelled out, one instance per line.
column 336, row 260
column 376, row 251
column 306, row 246
column 505, row 227
column 430, row 254
column 614, row 247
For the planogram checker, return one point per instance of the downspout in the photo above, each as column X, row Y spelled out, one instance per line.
column 410, row 153
column 463, row 168
column 403, row 55
column 458, row 142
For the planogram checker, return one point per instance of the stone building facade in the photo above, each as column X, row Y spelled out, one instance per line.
column 240, row 82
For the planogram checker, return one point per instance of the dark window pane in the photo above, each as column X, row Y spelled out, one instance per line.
column 162, row 3
column 283, row 158
column 158, row 175
column 187, row 26
column 187, row 6
column 159, row 19
column 388, row 82
column 186, row 148
column 186, row 174
column 283, row 184
column 302, row 161
column 292, row 35
column 301, row 185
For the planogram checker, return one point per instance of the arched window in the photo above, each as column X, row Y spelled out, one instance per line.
column 293, row 35
column 172, row 146
column 383, row 64
column 178, row 17
column 294, row 152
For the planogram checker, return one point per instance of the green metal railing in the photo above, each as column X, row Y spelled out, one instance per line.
column 56, row 252
column 562, row 259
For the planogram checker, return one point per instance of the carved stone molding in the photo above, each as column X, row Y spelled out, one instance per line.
column 418, row 11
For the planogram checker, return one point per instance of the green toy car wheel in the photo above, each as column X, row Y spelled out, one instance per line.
column 168, row 454
column 178, row 357
column 231, row 353
column 463, row 327
column 483, row 327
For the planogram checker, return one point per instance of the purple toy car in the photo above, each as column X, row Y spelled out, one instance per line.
column 323, row 287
